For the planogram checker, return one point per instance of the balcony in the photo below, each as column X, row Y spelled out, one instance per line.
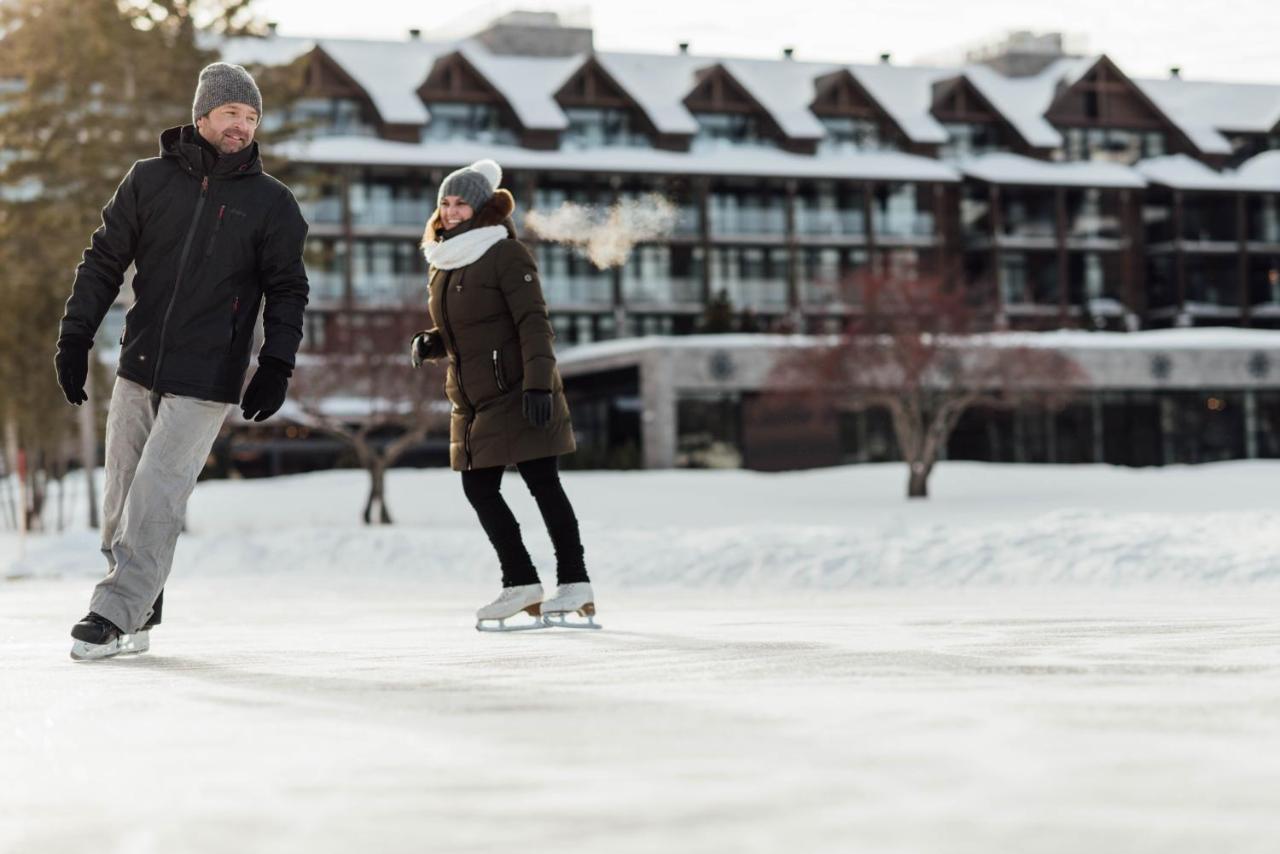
column 568, row 289
column 905, row 227
column 391, row 289
column 748, row 221
column 831, row 223
column 326, row 285
column 322, row 211
column 664, row 291
column 393, row 213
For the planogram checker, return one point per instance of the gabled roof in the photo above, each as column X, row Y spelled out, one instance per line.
column 390, row 72
column 906, row 94
column 528, row 83
column 785, row 90
column 1024, row 100
column 1247, row 107
column 658, row 84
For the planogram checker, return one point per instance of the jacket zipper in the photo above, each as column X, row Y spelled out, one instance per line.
column 177, row 284
column 217, row 226
column 457, row 371
column 497, row 373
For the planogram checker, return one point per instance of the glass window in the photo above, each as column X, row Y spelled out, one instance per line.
column 476, row 122
column 718, row 129
column 848, row 133
column 600, row 127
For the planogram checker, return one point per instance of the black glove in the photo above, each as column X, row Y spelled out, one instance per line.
column 420, row 348
column 267, row 389
column 72, row 364
column 537, row 407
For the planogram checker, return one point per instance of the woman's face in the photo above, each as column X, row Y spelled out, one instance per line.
column 454, row 210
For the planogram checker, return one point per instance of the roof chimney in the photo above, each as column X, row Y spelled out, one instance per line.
column 884, row 58
column 415, row 33
column 788, row 52
column 1175, row 73
column 684, row 47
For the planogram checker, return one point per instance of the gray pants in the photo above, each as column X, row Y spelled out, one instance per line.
column 153, row 459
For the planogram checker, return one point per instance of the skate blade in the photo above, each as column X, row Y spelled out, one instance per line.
column 84, row 651
column 133, row 644
column 487, row 626
column 560, row 619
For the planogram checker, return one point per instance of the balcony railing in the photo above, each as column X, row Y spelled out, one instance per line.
column 903, row 225
column 754, row 293
column 843, row 223
column 326, row 285
column 404, row 289
column 577, row 290
column 748, row 221
column 393, row 212
column 322, row 211
column 662, row 291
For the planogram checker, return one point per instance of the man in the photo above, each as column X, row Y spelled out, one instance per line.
column 210, row 236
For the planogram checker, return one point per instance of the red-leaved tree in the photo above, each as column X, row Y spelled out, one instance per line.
column 917, row 349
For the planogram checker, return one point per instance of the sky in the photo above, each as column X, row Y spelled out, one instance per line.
column 1144, row 38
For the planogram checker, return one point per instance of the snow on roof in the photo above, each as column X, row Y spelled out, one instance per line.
column 529, row 83
column 268, row 50
column 1262, row 172
column 1249, row 107
column 659, row 85
column 1259, row 174
column 1024, row 100
column 906, row 94
column 872, row 165
column 390, row 72
column 1184, row 173
column 1002, row 168
column 785, row 90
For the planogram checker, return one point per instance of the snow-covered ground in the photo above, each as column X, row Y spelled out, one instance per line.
column 1037, row 659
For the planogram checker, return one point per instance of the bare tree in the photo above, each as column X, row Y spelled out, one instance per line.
column 915, row 348
column 373, row 402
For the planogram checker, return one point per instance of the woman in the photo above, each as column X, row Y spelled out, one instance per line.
column 509, row 408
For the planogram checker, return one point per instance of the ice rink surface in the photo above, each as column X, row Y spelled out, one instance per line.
column 353, row 716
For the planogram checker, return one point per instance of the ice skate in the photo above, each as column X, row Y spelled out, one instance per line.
column 97, row 637
column 526, row 598
column 575, row 598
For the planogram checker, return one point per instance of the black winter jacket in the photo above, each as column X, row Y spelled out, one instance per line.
column 209, row 242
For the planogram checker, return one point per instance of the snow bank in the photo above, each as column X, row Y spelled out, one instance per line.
column 832, row 529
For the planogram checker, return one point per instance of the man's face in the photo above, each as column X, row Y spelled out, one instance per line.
column 229, row 128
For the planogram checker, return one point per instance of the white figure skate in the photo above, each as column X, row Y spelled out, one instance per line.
column 525, row 598
column 575, row 598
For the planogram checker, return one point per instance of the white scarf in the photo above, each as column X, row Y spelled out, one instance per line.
column 464, row 249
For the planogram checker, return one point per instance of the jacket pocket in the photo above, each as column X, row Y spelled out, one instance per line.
column 217, row 226
column 499, row 375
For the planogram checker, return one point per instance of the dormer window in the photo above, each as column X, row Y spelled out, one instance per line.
column 847, row 133
column 475, row 122
column 595, row 127
column 717, row 129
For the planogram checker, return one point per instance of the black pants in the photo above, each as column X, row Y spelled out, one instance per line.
column 542, row 476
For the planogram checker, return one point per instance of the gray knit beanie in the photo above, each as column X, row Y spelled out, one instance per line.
column 224, row 83
column 474, row 184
